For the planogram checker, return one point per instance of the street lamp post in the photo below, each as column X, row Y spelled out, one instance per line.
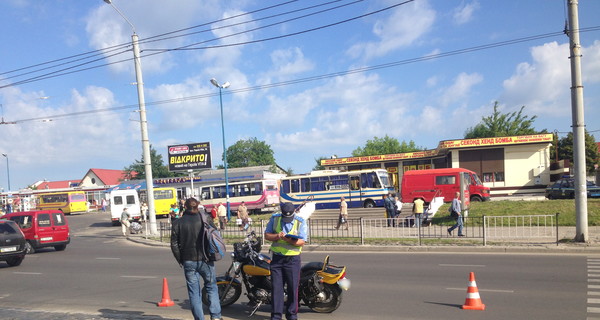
column 143, row 124
column 7, row 170
column 221, row 87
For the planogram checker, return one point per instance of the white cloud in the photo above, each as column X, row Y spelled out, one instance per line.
column 402, row 28
column 464, row 13
column 543, row 84
column 460, row 89
column 286, row 63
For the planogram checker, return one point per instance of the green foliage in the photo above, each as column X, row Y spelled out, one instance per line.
column 250, row 153
column 565, row 150
column 385, row 145
column 501, row 125
column 159, row 170
column 318, row 165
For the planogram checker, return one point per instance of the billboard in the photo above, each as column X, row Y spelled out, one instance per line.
column 193, row 156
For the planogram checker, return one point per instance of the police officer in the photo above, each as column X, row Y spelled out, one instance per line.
column 288, row 233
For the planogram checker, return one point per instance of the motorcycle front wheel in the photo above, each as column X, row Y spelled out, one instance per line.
column 227, row 299
column 331, row 301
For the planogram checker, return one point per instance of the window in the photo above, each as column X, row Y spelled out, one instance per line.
column 319, row 183
column 305, row 184
column 493, row 176
column 295, row 185
column 43, row 220
column 440, row 180
column 118, row 200
column 205, row 193
column 58, row 219
column 77, row 197
column 339, row 182
column 24, row 222
column 286, row 186
column 130, row 199
column 163, row 194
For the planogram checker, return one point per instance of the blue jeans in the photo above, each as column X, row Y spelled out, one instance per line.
column 193, row 271
column 459, row 224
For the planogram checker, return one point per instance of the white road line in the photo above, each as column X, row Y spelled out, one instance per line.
column 593, row 280
column 462, row 265
column 590, row 300
column 139, row 277
column 593, row 310
column 101, row 258
column 484, row 290
column 17, row 272
column 591, row 286
column 593, row 275
column 593, row 293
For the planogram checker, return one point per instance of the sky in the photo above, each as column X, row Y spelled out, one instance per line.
column 310, row 78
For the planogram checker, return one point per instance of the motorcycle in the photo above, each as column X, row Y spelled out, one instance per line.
column 321, row 283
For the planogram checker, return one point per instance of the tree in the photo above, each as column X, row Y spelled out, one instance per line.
column 565, row 150
column 250, row 153
column 318, row 165
column 385, row 145
column 159, row 170
column 501, row 125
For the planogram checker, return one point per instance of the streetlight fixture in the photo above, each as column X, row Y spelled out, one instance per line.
column 7, row 170
column 143, row 123
column 221, row 87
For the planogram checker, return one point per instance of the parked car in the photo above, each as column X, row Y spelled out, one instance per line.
column 43, row 228
column 12, row 243
column 431, row 183
column 564, row 188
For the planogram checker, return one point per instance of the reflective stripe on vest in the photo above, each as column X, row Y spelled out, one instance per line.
column 281, row 246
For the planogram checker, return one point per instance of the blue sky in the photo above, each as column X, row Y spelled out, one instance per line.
column 307, row 84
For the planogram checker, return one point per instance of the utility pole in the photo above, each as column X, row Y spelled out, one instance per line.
column 581, row 210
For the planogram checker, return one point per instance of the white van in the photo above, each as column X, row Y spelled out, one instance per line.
column 120, row 199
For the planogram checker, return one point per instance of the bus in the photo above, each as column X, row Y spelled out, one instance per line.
column 363, row 188
column 258, row 195
column 69, row 202
column 163, row 199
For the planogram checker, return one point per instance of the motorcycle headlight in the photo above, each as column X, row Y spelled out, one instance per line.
column 344, row 283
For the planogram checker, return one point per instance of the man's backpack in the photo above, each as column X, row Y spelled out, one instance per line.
column 453, row 213
column 212, row 242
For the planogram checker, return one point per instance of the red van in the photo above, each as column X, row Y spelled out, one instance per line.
column 442, row 183
column 43, row 228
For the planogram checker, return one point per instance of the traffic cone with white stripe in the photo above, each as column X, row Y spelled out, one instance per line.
column 473, row 301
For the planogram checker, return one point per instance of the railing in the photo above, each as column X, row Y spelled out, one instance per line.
column 399, row 231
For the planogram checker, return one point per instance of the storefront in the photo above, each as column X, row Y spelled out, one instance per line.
column 508, row 165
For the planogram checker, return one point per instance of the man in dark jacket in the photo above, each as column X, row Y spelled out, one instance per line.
column 189, row 253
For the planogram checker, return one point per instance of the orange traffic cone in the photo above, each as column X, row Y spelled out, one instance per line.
column 473, row 301
column 166, row 297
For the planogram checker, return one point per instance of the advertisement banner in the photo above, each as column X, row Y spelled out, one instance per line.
column 193, row 156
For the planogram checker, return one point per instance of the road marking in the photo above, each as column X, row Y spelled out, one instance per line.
column 17, row 272
column 139, row 277
column 593, row 310
column 462, row 265
column 593, row 275
column 593, row 293
column 484, row 290
column 101, row 258
column 593, row 300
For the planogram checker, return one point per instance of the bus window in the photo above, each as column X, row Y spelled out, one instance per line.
column 305, row 184
column 205, row 193
column 319, row 183
column 339, row 182
column 285, row 185
column 354, row 183
column 256, row 189
column 295, row 185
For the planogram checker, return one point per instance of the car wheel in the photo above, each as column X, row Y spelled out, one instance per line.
column 476, row 199
column 60, row 247
column 29, row 248
column 15, row 261
column 369, row 204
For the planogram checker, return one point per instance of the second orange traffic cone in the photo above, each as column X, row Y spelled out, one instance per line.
column 473, row 301
column 166, row 297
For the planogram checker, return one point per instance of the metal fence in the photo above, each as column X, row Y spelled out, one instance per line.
column 382, row 231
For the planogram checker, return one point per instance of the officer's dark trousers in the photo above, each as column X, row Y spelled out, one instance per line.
column 285, row 269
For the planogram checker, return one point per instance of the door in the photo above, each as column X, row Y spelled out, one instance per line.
column 60, row 227
column 45, row 231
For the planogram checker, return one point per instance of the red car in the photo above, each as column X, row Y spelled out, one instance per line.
column 43, row 228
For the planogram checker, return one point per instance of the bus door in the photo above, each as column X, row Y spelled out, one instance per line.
column 354, row 192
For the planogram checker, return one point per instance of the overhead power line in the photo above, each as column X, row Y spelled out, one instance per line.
column 319, row 77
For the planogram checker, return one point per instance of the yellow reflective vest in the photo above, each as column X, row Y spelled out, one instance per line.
column 281, row 246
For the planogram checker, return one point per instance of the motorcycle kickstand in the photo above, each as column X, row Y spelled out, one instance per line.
column 255, row 309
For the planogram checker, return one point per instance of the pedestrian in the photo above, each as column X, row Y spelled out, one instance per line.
column 398, row 209
column 242, row 215
column 213, row 214
column 104, row 205
column 418, row 205
column 181, row 205
column 390, row 210
column 174, row 212
column 184, row 239
column 125, row 223
column 456, row 212
column 288, row 232
column 144, row 209
column 343, row 217
column 222, row 215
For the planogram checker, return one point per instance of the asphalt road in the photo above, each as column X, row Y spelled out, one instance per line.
column 102, row 276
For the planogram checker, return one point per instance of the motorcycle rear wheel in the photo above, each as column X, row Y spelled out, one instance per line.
column 332, row 301
column 232, row 295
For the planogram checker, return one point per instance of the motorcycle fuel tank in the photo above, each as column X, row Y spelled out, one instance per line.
column 260, row 269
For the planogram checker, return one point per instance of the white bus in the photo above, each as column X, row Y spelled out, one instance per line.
column 363, row 188
column 120, row 199
column 258, row 195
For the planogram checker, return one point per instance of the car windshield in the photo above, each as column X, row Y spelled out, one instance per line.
column 5, row 228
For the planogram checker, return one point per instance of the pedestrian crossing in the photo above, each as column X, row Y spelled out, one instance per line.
column 593, row 288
